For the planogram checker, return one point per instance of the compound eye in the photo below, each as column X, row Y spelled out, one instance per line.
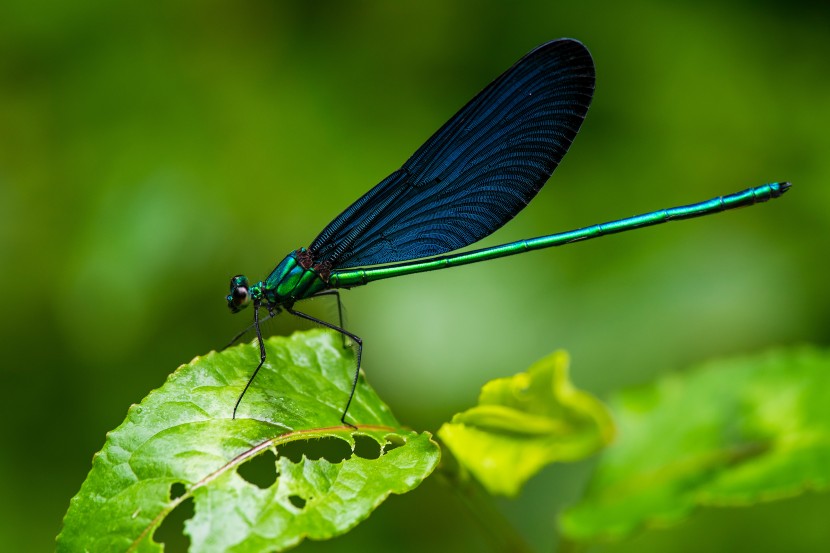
column 240, row 296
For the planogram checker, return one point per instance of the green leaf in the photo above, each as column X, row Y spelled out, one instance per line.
column 730, row 433
column 182, row 434
column 525, row 422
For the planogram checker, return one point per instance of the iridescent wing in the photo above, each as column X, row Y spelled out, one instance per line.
column 477, row 172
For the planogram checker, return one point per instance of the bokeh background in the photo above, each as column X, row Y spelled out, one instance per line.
column 149, row 151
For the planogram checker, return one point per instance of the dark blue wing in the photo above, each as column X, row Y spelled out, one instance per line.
column 473, row 175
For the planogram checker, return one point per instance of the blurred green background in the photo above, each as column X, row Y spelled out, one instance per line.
column 149, row 151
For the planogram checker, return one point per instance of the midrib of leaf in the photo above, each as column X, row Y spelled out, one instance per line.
column 249, row 454
column 690, row 465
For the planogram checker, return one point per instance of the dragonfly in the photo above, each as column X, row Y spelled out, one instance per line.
column 467, row 180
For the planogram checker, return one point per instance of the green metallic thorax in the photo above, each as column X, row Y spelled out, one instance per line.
column 289, row 282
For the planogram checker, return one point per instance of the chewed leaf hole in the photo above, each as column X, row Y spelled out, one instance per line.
column 260, row 471
column 333, row 450
column 177, row 490
column 171, row 532
column 297, row 501
column 392, row 442
column 365, row 447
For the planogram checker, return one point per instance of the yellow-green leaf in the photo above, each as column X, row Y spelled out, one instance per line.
column 525, row 422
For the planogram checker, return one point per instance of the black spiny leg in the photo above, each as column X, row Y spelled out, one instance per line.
column 336, row 293
column 238, row 336
column 344, row 332
column 261, row 354
column 272, row 312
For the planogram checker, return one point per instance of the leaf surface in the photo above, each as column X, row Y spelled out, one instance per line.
column 730, row 433
column 525, row 422
column 182, row 435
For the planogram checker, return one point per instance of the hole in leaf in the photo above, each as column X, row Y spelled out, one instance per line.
column 261, row 471
column 177, row 490
column 365, row 447
column 171, row 532
column 392, row 442
column 333, row 450
column 297, row 501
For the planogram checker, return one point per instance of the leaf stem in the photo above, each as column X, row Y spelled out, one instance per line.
column 505, row 537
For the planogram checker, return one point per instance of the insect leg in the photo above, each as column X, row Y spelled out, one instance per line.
column 336, row 293
column 344, row 332
column 261, row 356
column 272, row 312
